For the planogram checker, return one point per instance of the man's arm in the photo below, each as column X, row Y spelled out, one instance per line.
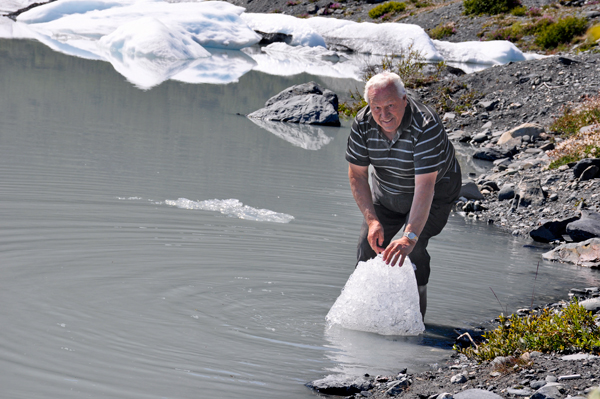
column 419, row 212
column 359, row 183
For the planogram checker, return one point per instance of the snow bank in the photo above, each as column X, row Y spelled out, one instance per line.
column 150, row 41
column 487, row 53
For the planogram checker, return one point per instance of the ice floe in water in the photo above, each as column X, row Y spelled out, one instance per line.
column 232, row 207
column 150, row 41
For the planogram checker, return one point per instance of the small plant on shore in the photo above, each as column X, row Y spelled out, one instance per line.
column 577, row 144
column 419, row 4
column 561, row 32
column 391, row 7
column 519, row 11
column 490, row 7
column 571, row 329
column 442, row 31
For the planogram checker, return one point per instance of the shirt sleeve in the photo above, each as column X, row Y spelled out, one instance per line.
column 430, row 147
column 356, row 151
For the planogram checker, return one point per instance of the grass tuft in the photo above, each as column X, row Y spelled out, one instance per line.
column 571, row 329
column 490, row 7
column 389, row 8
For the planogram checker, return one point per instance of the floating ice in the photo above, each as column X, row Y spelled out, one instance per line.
column 379, row 298
column 300, row 135
column 232, row 207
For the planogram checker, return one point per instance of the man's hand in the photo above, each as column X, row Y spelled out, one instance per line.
column 398, row 249
column 375, row 236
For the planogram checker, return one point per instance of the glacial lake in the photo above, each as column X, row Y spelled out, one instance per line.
column 119, row 280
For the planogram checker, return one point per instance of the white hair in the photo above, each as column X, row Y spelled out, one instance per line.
column 382, row 80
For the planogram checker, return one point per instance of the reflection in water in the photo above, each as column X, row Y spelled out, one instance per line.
column 300, row 135
column 224, row 66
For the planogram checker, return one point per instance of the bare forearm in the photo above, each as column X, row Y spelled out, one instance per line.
column 359, row 183
column 421, row 205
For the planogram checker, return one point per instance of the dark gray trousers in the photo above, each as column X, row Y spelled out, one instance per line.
column 392, row 212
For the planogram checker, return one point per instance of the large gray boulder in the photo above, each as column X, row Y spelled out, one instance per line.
column 583, row 165
column 305, row 103
column 551, row 230
column 586, row 253
column 585, row 228
column 340, row 385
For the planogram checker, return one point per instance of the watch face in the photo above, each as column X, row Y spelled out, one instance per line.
column 411, row 235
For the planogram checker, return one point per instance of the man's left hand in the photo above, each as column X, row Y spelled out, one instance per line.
column 398, row 249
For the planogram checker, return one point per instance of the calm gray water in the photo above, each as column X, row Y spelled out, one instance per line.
column 108, row 291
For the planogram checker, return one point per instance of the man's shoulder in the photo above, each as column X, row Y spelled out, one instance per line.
column 422, row 114
column 363, row 115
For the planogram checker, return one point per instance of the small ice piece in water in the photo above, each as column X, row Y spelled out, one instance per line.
column 232, row 207
column 381, row 299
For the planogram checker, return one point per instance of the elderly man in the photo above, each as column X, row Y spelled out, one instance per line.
column 415, row 177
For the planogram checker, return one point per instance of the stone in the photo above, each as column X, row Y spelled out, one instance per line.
column 519, row 392
column 268, row 38
column 593, row 305
column 480, row 138
column 444, row 395
column 396, row 387
column 537, row 384
column 489, row 105
column 530, row 192
column 506, row 192
column 589, row 173
column 582, row 165
column 449, row 116
column 340, row 385
column 585, row 228
column 529, row 129
column 469, row 190
column 491, row 154
column 305, row 103
column 458, row 379
column 583, row 356
column 549, row 391
column 551, row 230
column 460, row 135
column 569, row 377
column 547, row 147
column 585, row 253
column 476, row 394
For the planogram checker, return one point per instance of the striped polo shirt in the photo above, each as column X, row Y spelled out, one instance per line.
column 420, row 146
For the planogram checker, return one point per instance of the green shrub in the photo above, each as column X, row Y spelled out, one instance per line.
column 490, row 7
column 561, row 32
column 391, row 7
column 442, row 31
column 519, row 11
column 571, row 329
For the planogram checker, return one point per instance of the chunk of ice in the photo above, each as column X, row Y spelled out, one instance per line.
column 232, row 207
column 379, row 298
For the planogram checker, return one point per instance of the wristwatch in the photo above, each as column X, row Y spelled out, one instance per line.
column 411, row 236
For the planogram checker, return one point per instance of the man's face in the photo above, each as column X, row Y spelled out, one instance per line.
column 387, row 108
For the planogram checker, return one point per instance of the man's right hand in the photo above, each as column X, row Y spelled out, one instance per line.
column 375, row 236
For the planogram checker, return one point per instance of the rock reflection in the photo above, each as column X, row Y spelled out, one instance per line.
column 304, row 136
